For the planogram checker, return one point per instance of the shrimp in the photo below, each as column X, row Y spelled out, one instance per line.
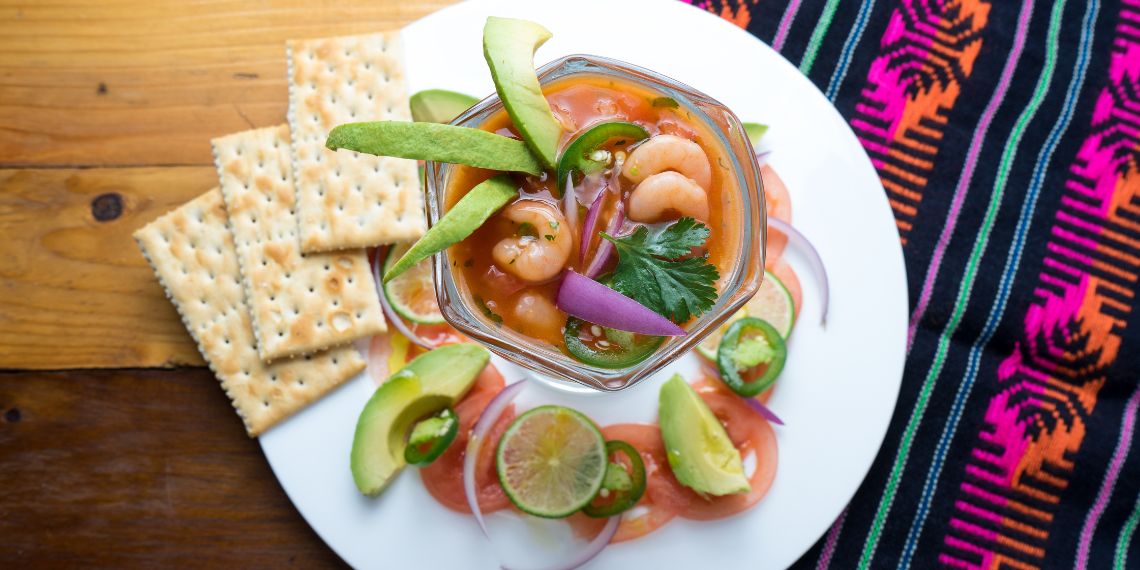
column 538, row 316
column 668, row 152
column 537, row 254
column 665, row 193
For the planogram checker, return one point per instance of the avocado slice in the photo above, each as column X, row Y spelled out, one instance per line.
column 700, row 453
column 436, row 143
column 509, row 46
column 439, row 105
column 432, row 381
column 459, row 222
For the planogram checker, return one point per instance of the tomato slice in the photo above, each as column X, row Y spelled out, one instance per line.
column 711, row 382
column 647, row 517
column 439, row 334
column 779, row 205
column 751, row 434
column 443, row 479
column 663, row 497
column 386, row 353
column 490, row 381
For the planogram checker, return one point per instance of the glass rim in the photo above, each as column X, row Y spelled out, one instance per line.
column 736, row 289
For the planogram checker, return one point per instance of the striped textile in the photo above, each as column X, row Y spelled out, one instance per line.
column 1007, row 138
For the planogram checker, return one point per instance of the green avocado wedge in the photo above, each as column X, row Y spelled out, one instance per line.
column 700, row 453
column 459, row 222
column 433, row 381
column 436, row 143
column 439, row 105
column 755, row 132
column 509, row 47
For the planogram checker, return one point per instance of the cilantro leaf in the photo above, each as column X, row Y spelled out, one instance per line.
column 648, row 271
column 675, row 240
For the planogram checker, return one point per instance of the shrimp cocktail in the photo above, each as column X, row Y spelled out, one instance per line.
column 593, row 220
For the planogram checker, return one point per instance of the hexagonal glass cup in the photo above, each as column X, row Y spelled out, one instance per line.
column 736, row 286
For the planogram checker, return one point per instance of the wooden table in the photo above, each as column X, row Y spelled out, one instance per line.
column 116, row 447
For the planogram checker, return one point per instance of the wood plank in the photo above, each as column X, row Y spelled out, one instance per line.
column 74, row 291
column 129, row 82
column 139, row 469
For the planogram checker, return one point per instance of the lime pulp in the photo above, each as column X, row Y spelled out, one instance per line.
column 551, row 461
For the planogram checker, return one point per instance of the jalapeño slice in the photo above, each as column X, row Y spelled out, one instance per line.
column 751, row 356
column 579, row 156
column 607, row 348
column 622, row 487
column 430, row 437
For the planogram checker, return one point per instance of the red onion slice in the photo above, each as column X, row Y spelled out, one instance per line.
column 589, row 228
column 595, row 303
column 764, row 410
column 490, row 414
column 393, row 318
column 798, row 241
column 605, row 247
column 570, row 206
column 482, row 427
column 588, row 552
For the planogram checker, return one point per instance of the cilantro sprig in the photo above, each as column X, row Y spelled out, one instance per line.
column 650, row 272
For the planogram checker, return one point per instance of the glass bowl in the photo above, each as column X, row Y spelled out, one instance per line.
column 736, row 286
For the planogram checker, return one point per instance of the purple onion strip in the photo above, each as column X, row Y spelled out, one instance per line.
column 393, row 318
column 490, row 414
column 605, row 247
column 764, row 411
column 595, row 303
column 590, row 226
column 798, row 241
column 588, row 552
column 570, row 205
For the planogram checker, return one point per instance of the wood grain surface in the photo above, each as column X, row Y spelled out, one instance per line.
column 76, row 291
column 106, row 114
column 113, row 469
column 136, row 82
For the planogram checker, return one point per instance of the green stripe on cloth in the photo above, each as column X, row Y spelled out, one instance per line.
column 1121, row 557
column 817, row 36
column 966, row 287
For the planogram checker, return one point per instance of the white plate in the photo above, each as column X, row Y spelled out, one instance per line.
column 840, row 384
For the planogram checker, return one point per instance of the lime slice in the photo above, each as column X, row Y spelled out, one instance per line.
column 773, row 303
column 551, row 461
column 708, row 347
column 412, row 293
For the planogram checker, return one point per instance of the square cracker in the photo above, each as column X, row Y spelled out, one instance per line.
column 347, row 199
column 300, row 303
column 192, row 253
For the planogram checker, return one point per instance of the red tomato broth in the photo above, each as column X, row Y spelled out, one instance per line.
column 579, row 103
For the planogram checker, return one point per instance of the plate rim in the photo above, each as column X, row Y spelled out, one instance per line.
column 896, row 253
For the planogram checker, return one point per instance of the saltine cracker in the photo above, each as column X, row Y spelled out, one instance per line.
column 300, row 303
column 192, row 252
column 347, row 199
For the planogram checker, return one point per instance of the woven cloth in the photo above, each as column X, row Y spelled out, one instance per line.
column 1006, row 134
